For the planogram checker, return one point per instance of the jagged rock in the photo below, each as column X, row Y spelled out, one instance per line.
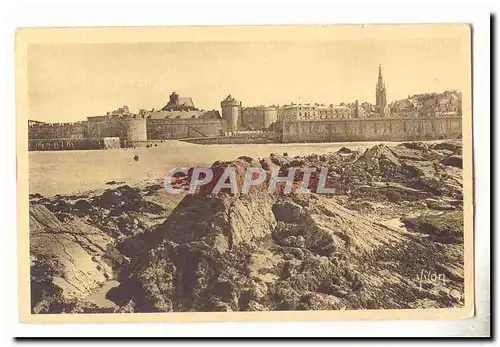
column 287, row 211
column 294, row 241
column 444, row 228
column 453, row 146
column 267, row 164
column 258, row 289
column 344, row 150
column 231, row 280
column 421, row 146
column 255, row 306
column 82, row 207
column 453, row 160
column 439, row 204
column 113, row 182
column 297, row 162
column 237, row 220
column 246, row 158
column 279, row 160
column 117, row 197
column 315, row 301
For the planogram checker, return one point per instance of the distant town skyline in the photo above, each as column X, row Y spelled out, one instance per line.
column 69, row 82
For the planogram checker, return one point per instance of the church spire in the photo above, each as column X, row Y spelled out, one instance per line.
column 380, row 78
column 380, row 94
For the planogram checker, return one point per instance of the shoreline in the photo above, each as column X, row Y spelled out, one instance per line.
column 74, row 172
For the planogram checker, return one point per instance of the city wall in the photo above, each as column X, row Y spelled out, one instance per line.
column 388, row 129
column 140, row 132
column 131, row 132
column 80, row 130
column 57, row 131
column 164, row 129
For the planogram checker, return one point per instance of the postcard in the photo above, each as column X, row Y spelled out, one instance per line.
column 246, row 173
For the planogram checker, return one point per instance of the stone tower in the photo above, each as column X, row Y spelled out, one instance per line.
column 230, row 112
column 358, row 110
column 380, row 95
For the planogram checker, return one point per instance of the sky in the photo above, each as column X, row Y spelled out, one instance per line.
column 69, row 82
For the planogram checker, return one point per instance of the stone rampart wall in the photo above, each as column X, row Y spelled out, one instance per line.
column 387, row 129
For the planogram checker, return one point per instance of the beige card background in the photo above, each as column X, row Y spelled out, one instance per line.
column 27, row 36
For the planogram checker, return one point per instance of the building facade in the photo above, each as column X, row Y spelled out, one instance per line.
column 298, row 111
column 446, row 104
column 314, row 111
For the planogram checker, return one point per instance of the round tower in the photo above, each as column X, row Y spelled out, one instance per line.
column 270, row 116
column 136, row 131
column 230, row 112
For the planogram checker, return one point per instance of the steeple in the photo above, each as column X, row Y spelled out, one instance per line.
column 380, row 94
column 380, row 83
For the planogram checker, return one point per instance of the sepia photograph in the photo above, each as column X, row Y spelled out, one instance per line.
column 260, row 173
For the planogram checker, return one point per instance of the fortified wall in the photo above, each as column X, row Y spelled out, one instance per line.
column 259, row 117
column 130, row 132
column 57, row 131
column 95, row 134
column 378, row 129
column 164, row 129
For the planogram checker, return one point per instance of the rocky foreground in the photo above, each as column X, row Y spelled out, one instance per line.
column 391, row 237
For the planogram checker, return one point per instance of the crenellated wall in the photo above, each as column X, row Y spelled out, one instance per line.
column 386, row 129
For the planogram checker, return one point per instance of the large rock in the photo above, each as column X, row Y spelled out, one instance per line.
column 444, row 228
column 329, row 251
column 220, row 222
column 453, row 160
column 69, row 259
column 287, row 211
